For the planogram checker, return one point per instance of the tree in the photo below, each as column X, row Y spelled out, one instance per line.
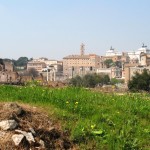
column 140, row 81
column 108, row 62
column 106, row 79
column 118, row 64
column 32, row 72
column 89, row 80
column 22, row 61
column 76, row 81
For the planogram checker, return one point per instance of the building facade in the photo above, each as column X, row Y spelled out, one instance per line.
column 82, row 64
column 112, row 52
column 135, row 55
column 38, row 66
column 144, row 59
column 112, row 72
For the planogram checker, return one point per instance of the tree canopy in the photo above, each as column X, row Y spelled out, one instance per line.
column 22, row 61
column 108, row 63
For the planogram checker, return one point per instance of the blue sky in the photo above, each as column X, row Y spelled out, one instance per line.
column 56, row 28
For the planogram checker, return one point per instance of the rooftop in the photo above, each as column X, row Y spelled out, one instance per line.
column 79, row 56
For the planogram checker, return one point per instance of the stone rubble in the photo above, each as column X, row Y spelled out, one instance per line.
column 17, row 126
column 41, row 142
column 28, row 135
column 8, row 124
column 32, row 131
column 17, row 138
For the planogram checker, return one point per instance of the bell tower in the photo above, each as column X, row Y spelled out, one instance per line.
column 82, row 49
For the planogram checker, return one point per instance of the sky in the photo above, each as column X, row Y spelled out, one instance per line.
column 56, row 28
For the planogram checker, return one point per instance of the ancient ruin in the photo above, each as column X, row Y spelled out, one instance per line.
column 7, row 73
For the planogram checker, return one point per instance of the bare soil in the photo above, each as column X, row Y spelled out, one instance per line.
column 45, row 129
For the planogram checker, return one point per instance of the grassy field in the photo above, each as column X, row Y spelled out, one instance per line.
column 94, row 120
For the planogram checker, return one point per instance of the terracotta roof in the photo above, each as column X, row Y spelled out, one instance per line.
column 36, row 62
column 76, row 56
column 79, row 56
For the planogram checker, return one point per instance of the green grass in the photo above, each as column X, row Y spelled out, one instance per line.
column 94, row 120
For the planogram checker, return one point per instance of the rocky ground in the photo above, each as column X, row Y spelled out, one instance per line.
column 24, row 127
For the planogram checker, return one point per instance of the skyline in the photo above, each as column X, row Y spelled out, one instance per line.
column 55, row 29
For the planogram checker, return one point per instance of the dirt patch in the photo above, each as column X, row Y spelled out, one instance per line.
column 46, row 133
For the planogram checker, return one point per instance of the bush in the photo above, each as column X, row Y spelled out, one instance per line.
column 77, row 81
column 116, row 81
column 140, row 81
column 90, row 80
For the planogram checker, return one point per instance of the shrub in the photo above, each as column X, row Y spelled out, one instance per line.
column 90, row 80
column 140, row 81
column 116, row 81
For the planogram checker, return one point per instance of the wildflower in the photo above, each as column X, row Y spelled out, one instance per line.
column 83, row 129
column 146, row 131
column 67, row 102
column 93, row 126
column 76, row 103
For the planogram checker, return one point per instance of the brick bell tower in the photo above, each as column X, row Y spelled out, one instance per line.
column 82, row 49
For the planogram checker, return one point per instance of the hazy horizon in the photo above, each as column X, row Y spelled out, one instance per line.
column 55, row 29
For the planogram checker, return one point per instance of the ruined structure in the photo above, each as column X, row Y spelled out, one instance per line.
column 7, row 73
